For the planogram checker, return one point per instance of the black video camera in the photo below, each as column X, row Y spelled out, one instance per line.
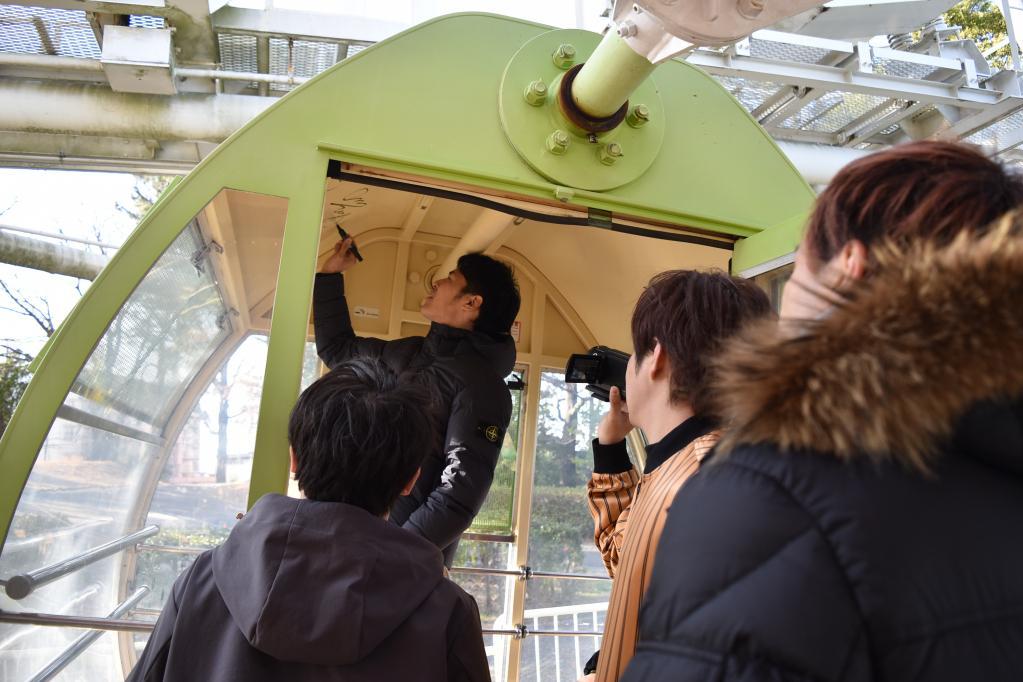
column 600, row 368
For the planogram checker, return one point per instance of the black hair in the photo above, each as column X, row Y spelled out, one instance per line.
column 494, row 281
column 691, row 313
column 359, row 434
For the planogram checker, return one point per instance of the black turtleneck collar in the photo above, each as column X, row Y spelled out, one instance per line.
column 676, row 439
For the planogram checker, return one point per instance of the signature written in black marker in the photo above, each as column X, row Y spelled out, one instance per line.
column 352, row 201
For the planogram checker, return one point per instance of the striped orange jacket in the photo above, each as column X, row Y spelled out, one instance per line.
column 628, row 511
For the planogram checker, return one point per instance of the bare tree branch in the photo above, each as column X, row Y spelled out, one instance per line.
column 8, row 352
column 25, row 306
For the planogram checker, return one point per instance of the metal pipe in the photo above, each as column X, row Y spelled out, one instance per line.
column 526, row 632
column 818, row 164
column 488, row 537
column 20, row 586
column 90, row 622
column 567, row 576
column 76, row 65
column 239, row 76
column 84, row 109
column 609, row 77
column 118, row 624
column 524, row 573
column 62, row 237
column 167, row 549
column 487, row 226
column 59, row 259
column 85, row 641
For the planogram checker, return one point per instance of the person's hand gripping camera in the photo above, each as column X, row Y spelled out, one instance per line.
column 615, row 425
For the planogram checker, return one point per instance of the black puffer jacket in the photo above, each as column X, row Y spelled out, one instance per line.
column 465, row 372
column 863, row 519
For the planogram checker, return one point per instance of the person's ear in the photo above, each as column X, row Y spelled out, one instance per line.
column 407, row 490
column 294, row 462
column 852, row 260
column 657, row 365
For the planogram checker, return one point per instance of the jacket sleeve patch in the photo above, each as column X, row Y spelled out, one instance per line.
column 492, row 433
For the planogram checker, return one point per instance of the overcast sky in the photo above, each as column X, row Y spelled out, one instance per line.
column 66, row 202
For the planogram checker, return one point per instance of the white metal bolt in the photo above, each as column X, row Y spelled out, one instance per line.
column 611, row 153
column 564, row 56
column 627, row 29
column 536, row 93
column 557, row 142
column 639, row 116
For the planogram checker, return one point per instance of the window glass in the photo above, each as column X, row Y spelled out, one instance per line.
column 86, row 481
column 561, row 529
column 491, row 592
column 148, row 411
column 773, row 283
column 160, row 337
column 561, row 535
column 204, row 484
column 495, row 516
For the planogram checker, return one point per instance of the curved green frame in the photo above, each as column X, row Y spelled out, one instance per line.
column 437, row 117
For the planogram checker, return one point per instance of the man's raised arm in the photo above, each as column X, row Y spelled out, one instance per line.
column 336, row 340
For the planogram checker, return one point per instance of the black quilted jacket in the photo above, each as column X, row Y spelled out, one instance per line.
column 465, row 372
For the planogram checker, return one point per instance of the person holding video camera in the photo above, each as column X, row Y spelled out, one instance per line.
column 463, row 360
column 680, row 321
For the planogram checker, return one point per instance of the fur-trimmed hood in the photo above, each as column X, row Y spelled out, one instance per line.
column 928, row 348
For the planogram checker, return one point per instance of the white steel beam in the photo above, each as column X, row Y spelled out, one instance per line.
column 981, row 119
column 82, row 109
column 835, row 78
column 855, row 137
column 303, row 25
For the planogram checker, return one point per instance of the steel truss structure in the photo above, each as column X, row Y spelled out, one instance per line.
column 801, row 88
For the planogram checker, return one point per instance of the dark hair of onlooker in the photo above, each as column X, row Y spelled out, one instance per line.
column 359, row 434
column 691, row 313
column 918, row 190
column 494, row 281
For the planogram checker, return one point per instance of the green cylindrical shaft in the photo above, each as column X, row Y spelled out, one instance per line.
column 609, row 77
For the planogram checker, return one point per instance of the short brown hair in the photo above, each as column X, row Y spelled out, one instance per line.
column 918, row 190
column 691, row 313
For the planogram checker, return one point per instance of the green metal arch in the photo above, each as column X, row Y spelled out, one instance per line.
column 423, row 102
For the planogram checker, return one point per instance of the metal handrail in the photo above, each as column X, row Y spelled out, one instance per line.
column 170, row 549
column 114, row 622
column 76, row 648
column 20, row 586
column 522, row 573
column 89, row 622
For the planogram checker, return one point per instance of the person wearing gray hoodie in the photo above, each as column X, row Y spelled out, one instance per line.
column 325, row 588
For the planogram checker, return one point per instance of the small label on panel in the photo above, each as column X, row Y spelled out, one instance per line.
column 516, row 330
column 365, row 311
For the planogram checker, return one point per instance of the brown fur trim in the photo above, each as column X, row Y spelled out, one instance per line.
column 888, row 373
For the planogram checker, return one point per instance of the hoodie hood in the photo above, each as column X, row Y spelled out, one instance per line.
column 496, row 350
column 924, row 353
column 348, row 578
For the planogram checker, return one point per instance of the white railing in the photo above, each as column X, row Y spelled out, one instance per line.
column 553, row 659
